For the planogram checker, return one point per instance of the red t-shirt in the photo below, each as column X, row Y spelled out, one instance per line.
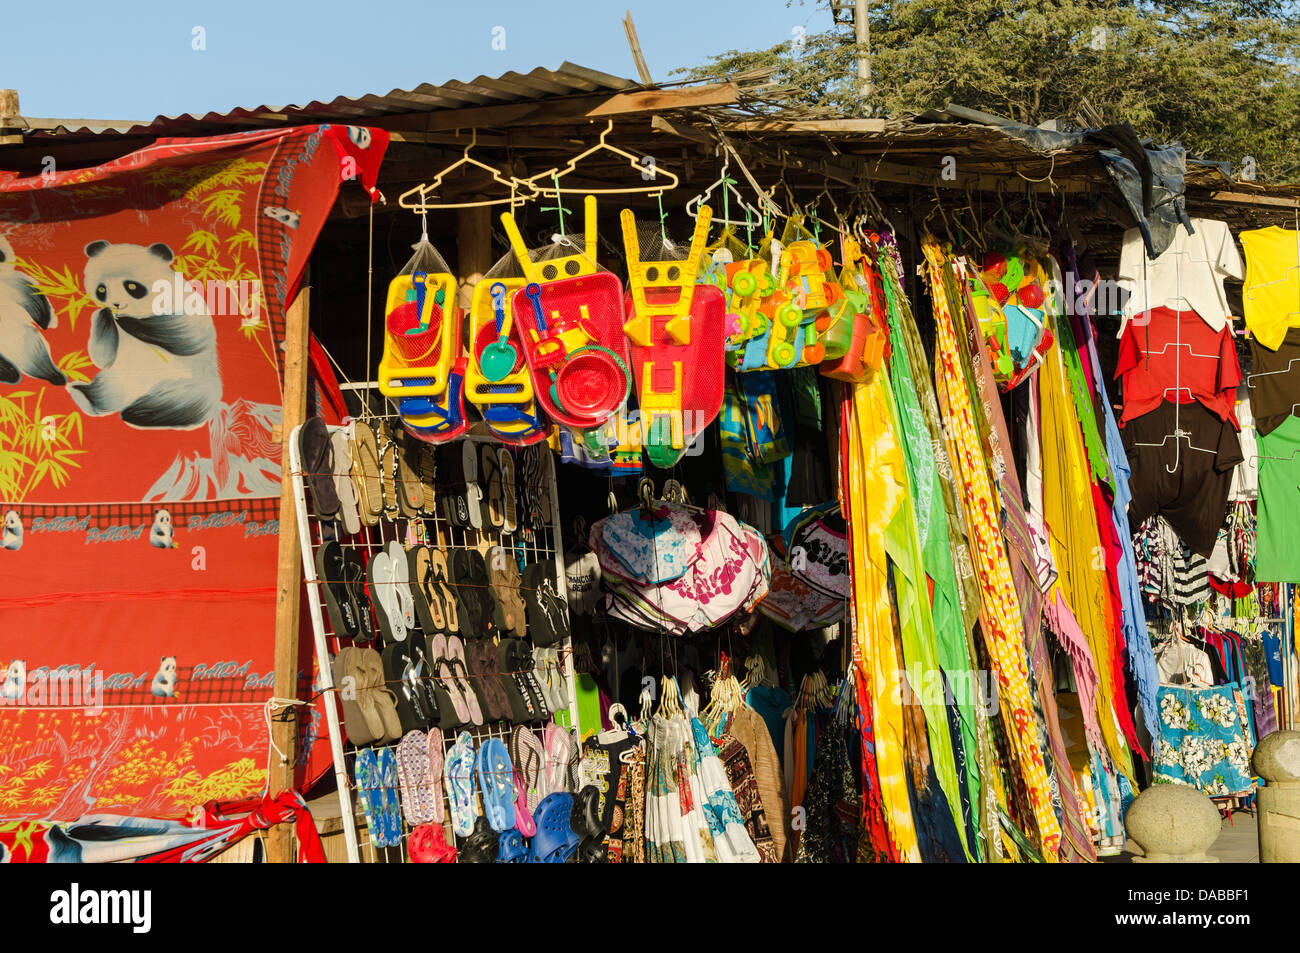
column 1201, row 366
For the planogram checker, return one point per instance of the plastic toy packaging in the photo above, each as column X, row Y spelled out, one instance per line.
column 1010, row 300
column 497, row 379
column 422, row 369
column 677, row 331
column 797, row 312
column 856, row 341
column 568, row 319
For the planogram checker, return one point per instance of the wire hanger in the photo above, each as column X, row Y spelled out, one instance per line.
column 537, row 183
column 430, row 188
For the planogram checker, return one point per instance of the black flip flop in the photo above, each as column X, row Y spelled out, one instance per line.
column 354, row 577
column 411, row 701
column 317, row 458
column 331, row 573
column 548, row 617
column 450, row 467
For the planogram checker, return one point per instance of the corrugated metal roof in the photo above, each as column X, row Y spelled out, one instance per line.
column 568, row 80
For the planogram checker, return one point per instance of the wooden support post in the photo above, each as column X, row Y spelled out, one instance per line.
column 280, row 847
column 474, row 245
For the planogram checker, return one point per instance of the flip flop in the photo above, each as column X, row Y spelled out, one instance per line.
column 365, row 473
column 551, row 675
column 470, row 576
column 316, row 453
column 377, row 694
column 561, row 753
column 510, row 514
column 400, row 675
column 459, row 774
column 503, row 573
column 555, row 841
column 428, row 601
column 413, row 772
column 523, row 707
column 383, row 597
column 410, row 489
column 486, row 667
column 354, row 577
column 390, row 800
column 446, row 676
column 427, row 472
column 448, row 603
column 473, row 492
column 361, row 722
column 545, row 609
column 344, row 488
column 365, row 775
column 344, row 613
column 388, row 472
column 436, row 756
column 456, row 659
column 455, row 500
column 402, row 583
column 494, row 508
column 528, row 757
column 496, row 784
column 518, row 661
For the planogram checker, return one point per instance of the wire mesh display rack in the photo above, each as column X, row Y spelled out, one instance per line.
column 542, row 541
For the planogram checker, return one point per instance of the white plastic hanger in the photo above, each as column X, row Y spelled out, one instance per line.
column 547, row 183
column 423, row 192
column 730, row 194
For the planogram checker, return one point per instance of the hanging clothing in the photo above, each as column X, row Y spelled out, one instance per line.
column 1277, row 543
column 749, row 800
column 748, row 727
column 1204, row 740
column 876, row 491
column 832, row 800
column 1174, row 356
column 1001, row 603
column 1187, row 275
column 1270, row 297
column 676, row 825
column 1194, row 497
column 731, row 841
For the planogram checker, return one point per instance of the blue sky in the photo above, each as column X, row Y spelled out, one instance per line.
column 75, row 59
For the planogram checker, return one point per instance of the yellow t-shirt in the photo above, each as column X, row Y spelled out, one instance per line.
column 1271, row 296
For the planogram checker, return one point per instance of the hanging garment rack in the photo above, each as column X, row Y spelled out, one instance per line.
column 423, row 192
column 547, row 183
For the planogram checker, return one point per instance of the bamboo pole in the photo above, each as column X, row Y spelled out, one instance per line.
column 280, row 847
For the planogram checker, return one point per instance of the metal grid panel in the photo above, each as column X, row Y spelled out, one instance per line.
column 542, row 544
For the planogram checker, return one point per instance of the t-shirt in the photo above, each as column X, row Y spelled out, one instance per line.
column 1274, row 381
column 1187, row 276
column 1277, row 553
column 1175, row 356
column 1271, row 296
column 1194, row 497
column 1245, row 478
column 582, row 577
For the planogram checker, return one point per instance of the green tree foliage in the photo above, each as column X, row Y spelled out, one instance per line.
column 1219, row 76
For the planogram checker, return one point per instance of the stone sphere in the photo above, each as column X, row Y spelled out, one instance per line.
column 1277, row 757
column 1173, row 822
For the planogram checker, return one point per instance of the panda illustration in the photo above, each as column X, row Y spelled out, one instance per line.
column 164, row 682
column 15, row 681
column 12, row 535
column 160, row 534
column 282, row 215
column 156, row 370
column 24, row 313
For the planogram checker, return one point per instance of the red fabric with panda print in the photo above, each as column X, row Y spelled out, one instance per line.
column 142, row 309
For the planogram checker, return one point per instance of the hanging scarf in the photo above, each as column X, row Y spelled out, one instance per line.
column 1003, row 621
